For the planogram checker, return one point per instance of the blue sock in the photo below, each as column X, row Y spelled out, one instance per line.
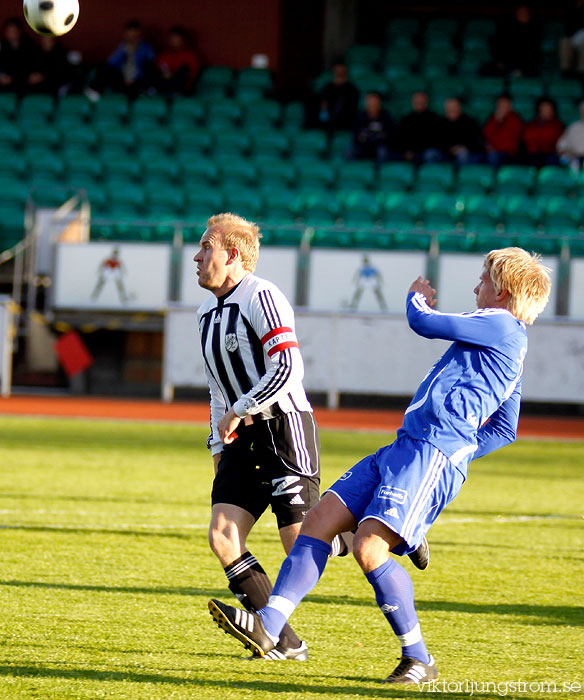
column 395, row 596
column 298, row 575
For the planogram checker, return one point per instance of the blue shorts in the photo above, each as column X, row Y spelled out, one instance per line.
column 404, row 485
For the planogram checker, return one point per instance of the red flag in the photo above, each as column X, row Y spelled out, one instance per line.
column 72, row 353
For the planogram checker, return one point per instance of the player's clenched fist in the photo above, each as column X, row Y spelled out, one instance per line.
column 423, row 286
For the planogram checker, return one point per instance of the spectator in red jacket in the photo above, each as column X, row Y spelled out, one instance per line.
column 178, row 65
column 542, row 133
column 503, row 131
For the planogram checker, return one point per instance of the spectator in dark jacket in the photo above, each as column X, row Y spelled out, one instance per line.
column 339, row 101
column 541, row 135
column 374, row 135
column 461, row 135
column 51, row 70
column 16, row 54
column 516, row 45
column 419, row 136
column 503, row 131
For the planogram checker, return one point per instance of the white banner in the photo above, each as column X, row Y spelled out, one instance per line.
column 361, row 280
column 278, row 265
column 380, row 355
column 112, row 276
column 576, row 309
column 5, row 346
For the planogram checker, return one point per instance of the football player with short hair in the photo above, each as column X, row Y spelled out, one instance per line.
column 465, row 407
column 264, row 439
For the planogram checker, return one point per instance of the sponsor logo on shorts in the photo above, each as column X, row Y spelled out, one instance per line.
column 285, row 484
column 391, row 512
column 392, row 494
column 297, row 500
column 345, row 476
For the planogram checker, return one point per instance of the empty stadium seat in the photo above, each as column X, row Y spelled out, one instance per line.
column 515, row 179
column 475, row 178
column 396, row 176
column 435, row 177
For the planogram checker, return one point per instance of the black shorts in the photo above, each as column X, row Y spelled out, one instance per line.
column 272, row 462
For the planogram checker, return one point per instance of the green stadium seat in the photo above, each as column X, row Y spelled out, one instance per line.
column 341, row 142
column 164, row 200
column 236, row 172
column 486, row 241
column 314, row 173
column 255, row 77
column 279, row 205
column 273, row 142
column 525, row 107
column 370, row 239
column 520, row 213
column 312, row 143
column 441, row 211
column 10, row 134
column 400, row 210
column 246, row 94
column 293, row 115
column 193, row 142
column 560, row 213
column 119, row 137
column 45, row 192
column 526, row 87
column 358, row 208
column 559, row 89
column 475, row 178
column 442, row 26
column 440, row 56
column 480, row 27
column 8, row 105
column 448, row 86
column 318, row 208
column 262, row 112
column 553, row 180
column 148, row 111
column 412, row 239
column 216, row 76
column 403, row 26
column 11, row 226
column 13, row 164
column 223, row 112
column 13, row 193
column 43, row 135
column 86, row 165
column 187, row 112
column 125, row 199
column 121, row 169
column 396, row 176
column 232, row 143
column 276, row 173
column 396, row 72
column 245, row 202
column 435, row 177
column 197, row 171
column 486, row 87
column 327, row 237
column 364, row 54
column 540, row 242
column 110, row 109
column 36, row 108
column 160, row 169
column 407, row 85
column 481, row 213
column 475, row 42
column 356, row 175
column 45, row 164
column 515, row 179
column 79, row 137
column 73, row 110
column 403, row 56
column 154, row 141
column 202, row 202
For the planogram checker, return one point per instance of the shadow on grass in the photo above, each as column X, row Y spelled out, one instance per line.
column 199, row 592
column 537, row 614
column 58, row 530
column 94, row 499
column 302, row 689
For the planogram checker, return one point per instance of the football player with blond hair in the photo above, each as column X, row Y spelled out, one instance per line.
column 465, row 407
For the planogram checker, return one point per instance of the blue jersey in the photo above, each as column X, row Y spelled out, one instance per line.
column 478, row 379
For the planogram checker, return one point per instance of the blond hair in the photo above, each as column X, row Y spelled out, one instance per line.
column 237, row 232
column 524, row 277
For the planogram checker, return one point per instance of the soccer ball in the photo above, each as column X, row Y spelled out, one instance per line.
column 51, row 17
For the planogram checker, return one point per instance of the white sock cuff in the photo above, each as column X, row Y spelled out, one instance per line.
column 411, row 637
column 282, row 605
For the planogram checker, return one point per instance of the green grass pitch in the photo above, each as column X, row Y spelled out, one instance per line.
column 106, row 572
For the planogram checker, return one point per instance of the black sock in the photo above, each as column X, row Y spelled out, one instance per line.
column 250, row 584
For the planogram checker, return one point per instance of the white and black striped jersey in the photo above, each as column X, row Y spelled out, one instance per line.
column 251, row 353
